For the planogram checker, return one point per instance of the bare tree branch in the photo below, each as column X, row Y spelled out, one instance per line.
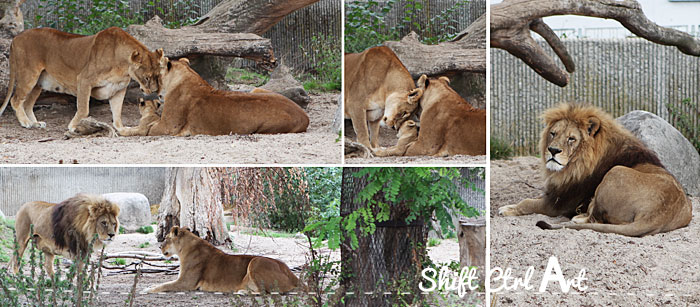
column 512, row 20
column 248, row 16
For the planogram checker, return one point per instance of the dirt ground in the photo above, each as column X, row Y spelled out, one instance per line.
column 47, row 146
column 663, row 269
column 387, row 138
column 292, row 251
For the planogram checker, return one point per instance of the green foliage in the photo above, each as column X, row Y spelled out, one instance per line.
column 119, row 261
column 242, row 76
column 687, row 119
column 144, row 244
column 325, row 53
column 145, row 229
column 6, row 240
column 365, row 23
column 423, row 190
column 269, row 233
column 286, row 200
column 433, row 242
column 500, row 149
column 33, row 286
column 122, row 230
column 88, row 17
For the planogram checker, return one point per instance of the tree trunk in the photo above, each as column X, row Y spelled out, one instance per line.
column 472, row 244
column 192, row 198
column 248, row 16
column 394, row 252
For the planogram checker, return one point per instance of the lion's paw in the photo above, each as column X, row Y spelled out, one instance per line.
column 580, row 219
column 508, row 210
column 150, row 290
column 41, row 125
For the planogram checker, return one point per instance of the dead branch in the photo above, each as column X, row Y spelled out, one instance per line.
column 248, row 16
column 512, row 20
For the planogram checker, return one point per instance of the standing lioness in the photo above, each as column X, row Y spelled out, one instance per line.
column 99, row 65
column 206, row 268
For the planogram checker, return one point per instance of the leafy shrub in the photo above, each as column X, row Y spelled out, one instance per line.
column 433, row 242
column 500, row 150
column 324, row 52
column 687, row 119
column 145, row 229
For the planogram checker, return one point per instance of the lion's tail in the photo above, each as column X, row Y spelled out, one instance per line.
column 632, row 229
column 11, row 85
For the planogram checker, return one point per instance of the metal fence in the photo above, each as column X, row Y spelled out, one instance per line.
column 316, row 25
column 618, row 75
column 475, row 198
column 432, row 9
column 54, row 184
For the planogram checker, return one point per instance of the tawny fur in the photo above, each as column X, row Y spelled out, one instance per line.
column 597, row 169
column 408, row 133
column 149, row 117
column 98, row 66
column 66, row 228
column 193, row 107
column 204, row 267
column 449, row 124
column 377, row 87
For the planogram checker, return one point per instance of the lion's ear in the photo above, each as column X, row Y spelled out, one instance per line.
column 135, row 57
column 185, row 60
column 446, row 79
column 422, row 81
column 411, row 123
column 415, row 95
column 593, row 125
column 175, row 230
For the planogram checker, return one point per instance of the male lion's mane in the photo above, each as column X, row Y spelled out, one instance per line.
column 573, row 187
column 74, row 221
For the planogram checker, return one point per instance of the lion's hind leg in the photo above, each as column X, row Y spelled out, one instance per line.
column 26, row 85
column 268, row 275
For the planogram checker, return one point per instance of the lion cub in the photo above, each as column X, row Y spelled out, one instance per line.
column 149, row 117
column 206, row 268
column 408, row 133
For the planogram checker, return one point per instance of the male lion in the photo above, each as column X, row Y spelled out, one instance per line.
column 193, row 107
column 378, row 87
column 149, row 117
column 206, row 268
column 408, row 133
column 599, row 170
column 449, row 124
column 66, row 228
column 99, row 65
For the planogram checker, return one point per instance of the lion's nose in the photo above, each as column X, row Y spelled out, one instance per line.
column 554, row 151
column 385, row 119
column 111, row 235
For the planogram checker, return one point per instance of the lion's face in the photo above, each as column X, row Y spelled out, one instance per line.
column 171, row 245
column 106, row 227
column 148, row 107
column 563, row 139
column 146, row 70
column 408, row 128
column 399, row 106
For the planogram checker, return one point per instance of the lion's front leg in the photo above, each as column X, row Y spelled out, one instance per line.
column 525, row 207
column 83, row 103
column 115, row 104
column 176, row 285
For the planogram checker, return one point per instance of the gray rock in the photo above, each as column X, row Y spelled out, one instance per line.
column 338, row 117
column 676, row 153
column 282, row 82
column 135, row 211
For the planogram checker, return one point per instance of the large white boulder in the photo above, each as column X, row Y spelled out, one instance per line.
column 676, row 153
column 135, row 211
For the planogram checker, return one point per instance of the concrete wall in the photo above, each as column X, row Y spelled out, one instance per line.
column 617, row 75
column 54, row 184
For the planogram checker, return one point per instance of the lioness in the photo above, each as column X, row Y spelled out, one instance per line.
column 66, row 228
column 449, row 124
column 596, row 167
column 378, row 87
column 408, row 133
column 149, row 117
column 99, row 65
column 193, row 107
column 206, row 268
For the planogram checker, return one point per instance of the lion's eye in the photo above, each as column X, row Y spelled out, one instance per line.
column 404, row 114
column 572, row 139
column 552, row 134
column 104, row 223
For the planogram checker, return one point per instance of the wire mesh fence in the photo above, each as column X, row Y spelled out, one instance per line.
column 619, row 75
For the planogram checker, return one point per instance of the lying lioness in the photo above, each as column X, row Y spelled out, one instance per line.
column 206, row 268
column 193, row 107
column 149, row 117
column 408, row 133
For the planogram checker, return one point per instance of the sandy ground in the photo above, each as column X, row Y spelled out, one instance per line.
column 114, row 288
column 46, row 146
column 663, row 269
column 387, row 138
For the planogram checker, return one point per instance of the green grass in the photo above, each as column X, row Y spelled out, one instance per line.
column 433, row 242
column 242, row 76
column 119, row 261
column 315, row 86
column 269, row 233
column 145, row 229
column 7, row 244
column 500, row 150
column 144, row 245
column 122, row 230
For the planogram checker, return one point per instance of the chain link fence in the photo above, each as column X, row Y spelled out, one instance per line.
column 619, row 75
